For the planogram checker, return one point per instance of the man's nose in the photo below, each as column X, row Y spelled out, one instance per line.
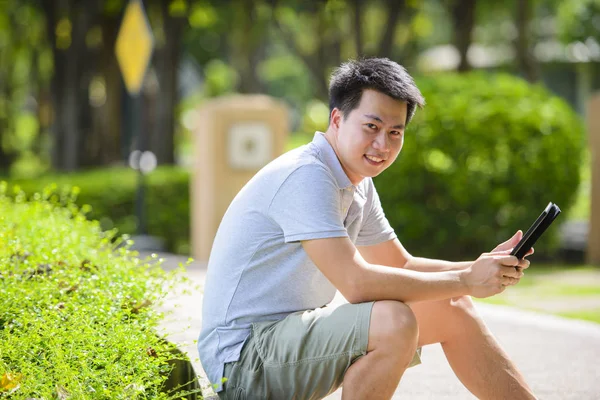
column 381, row 142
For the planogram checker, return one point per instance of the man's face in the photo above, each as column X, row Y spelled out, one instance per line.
column 371, row 137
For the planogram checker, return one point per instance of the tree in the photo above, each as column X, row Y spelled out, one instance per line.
column 578, row 20
column 91, row 135
column 24, row 71
column 68, row 23
column 170, row 26
column 323, row 33
column 510, row 23
column 462, row 13
column 525, row 59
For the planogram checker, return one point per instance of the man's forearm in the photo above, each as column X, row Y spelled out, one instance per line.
column 378, row 282
column 430, row 265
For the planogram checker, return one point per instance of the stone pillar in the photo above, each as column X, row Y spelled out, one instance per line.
column 593, row 118
column 236, row 136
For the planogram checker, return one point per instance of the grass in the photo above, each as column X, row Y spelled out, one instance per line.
column 568, row 291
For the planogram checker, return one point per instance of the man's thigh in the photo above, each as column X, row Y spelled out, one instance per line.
column 303, row 356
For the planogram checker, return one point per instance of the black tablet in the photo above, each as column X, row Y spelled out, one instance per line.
column 535, row 231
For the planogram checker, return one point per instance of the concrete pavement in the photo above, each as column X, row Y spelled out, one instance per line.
column 559, row 357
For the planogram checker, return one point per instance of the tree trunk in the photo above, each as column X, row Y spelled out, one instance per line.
column 247, row 45
column 463, row 22
column 110, row 134
column 357, row 11
column 329, row 51
column 69, row 107
column 56, row 84
column 6, row 159
column 68, row 93
column 329, row 47
column 41, row 97
column 312, row 61
column 394, row 9
column 167, row 59
column 89, row 146
column 77, row 79
column 525, row 58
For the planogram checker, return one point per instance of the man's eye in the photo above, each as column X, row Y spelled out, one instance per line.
column 371, row 126
column 396, row 133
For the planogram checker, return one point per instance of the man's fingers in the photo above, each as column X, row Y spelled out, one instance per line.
column 508, row 281
column 510, row 243
column 511, row 272
column 507, row 260
column 516, row 238
column 498, row 252
column 523, row 264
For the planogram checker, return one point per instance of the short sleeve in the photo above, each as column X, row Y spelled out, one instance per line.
column 375, row 228
column 307, row 205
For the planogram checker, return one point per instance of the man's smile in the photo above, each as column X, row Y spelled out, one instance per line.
column 373, row 160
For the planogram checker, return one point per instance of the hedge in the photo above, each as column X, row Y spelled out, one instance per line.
column 77, row 315
column 481, row 160
column 111, row 195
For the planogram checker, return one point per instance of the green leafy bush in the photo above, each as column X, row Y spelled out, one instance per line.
column 111, row 194
column 480, row 161
column 75, row 315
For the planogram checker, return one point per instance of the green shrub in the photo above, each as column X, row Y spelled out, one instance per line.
column 111, row 194
column 481, row 160
column 75, row 315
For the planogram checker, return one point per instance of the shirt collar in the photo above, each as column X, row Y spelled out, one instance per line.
column 330, row 159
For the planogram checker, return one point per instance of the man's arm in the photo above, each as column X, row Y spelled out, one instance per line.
column 393, row 254
column 360, row 281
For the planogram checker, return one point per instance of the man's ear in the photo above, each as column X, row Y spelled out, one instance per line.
column 336, row 118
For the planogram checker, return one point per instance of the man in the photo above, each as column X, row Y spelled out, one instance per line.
column 309, row 223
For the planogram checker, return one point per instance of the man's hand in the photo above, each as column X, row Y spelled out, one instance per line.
column 510, row 244
column 492, row 272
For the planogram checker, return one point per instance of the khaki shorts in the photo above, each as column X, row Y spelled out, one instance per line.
column 303, row 356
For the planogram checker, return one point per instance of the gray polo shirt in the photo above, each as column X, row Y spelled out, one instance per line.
column 258, row 269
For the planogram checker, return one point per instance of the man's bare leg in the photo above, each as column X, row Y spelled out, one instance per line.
column 392, row 343
column 473, row 353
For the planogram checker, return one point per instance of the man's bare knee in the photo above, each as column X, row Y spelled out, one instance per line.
column 462, row 308
column 393, row 324
column 461, row 315
column 463, row 304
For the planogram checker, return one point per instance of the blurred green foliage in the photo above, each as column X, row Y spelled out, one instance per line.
column 25, row 67
column 482, row 160
column 286, row 49
column 579, row 20
column 111, row 194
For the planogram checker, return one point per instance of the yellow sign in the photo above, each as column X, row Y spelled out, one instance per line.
column 134, row 46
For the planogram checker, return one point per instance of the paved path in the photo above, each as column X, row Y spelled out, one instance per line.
column 560, row 358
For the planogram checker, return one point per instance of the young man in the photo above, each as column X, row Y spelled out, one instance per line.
column 311, row 222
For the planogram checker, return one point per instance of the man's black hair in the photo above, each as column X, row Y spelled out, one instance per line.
column 381, row 74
